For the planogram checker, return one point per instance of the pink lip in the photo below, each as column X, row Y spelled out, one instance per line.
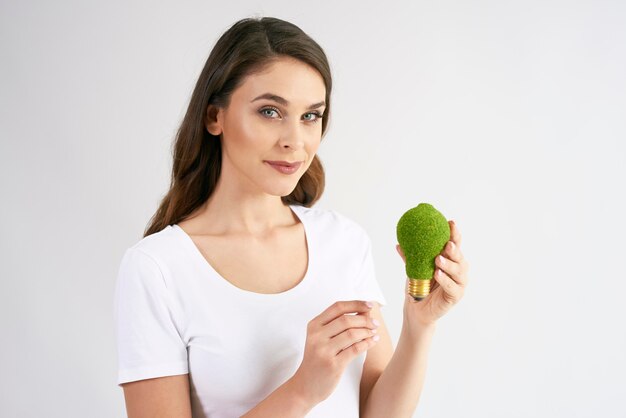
column 284, row 166
column 285, row 163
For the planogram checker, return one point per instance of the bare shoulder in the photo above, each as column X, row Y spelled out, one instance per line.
column 159, row 397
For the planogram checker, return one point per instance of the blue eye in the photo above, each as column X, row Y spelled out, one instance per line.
column 318, row 116
column 271, row 109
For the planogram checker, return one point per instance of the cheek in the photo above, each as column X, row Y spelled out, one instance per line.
column 248, row 133
column 315, row 143
column 260, row 130
column 245, row 128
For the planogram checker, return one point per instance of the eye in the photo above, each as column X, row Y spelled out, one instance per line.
column 268, row 109
column 317, row 115
column 267, row 112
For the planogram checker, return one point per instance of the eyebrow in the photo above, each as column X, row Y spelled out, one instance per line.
column 285, row 102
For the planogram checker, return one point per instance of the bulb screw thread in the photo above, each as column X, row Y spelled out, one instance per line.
column 419, row 288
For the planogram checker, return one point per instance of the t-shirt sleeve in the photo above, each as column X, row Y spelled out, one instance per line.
column 366, row 285
column 149, row 343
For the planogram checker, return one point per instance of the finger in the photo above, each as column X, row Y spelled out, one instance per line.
column 452, row 269
column 453, row 252
column 449, row 286
column 350, row 337
column 347, row 322
column 399, row 250
column 434, row 285
column 346, row 355
column 339, row 308
column 455, row 234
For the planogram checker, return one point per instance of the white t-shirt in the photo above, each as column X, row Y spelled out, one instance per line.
column 175, row 314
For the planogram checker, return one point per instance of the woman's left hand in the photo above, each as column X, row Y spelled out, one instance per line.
column 447, row 288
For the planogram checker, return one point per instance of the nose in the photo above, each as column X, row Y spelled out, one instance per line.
column 293, row 136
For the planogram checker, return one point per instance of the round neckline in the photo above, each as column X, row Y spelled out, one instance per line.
column 248, row 294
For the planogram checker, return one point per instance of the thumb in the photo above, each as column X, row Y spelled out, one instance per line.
column 399, row 250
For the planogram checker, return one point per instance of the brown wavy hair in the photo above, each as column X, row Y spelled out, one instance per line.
column 249, row 46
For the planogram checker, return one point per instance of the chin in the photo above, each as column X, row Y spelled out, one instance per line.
column 275, row 190
column 284, row 192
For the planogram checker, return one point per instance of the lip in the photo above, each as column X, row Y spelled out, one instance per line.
column 285, row 167
column 285, row 163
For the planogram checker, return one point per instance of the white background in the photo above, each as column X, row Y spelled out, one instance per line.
column 508, row 116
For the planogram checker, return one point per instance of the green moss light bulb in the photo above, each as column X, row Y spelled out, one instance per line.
column 422, row 233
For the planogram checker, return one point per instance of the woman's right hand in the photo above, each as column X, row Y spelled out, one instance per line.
column 333, row 340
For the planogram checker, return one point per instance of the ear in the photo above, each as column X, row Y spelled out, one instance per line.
column 213, row 120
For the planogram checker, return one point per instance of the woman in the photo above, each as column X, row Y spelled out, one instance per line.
column 242, row 299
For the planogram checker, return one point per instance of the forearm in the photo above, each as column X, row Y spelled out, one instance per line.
column 286, row 401
column 397, row 390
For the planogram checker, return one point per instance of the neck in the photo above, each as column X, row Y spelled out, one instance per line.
column 234, row 210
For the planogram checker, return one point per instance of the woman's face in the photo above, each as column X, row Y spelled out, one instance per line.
column 276, row 116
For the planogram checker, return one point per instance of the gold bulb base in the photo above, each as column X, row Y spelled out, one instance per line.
column 419, row 289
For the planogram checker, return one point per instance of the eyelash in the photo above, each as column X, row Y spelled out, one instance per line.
column 317, row 119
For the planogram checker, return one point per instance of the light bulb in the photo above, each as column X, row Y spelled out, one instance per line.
column 422, row 233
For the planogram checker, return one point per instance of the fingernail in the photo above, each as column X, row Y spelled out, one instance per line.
column 375, row 321
column 376, row 337
column 369, row 304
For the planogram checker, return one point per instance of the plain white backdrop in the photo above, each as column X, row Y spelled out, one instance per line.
column 508, row 116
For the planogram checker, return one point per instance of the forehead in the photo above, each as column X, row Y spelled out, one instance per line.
column 294, row 80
